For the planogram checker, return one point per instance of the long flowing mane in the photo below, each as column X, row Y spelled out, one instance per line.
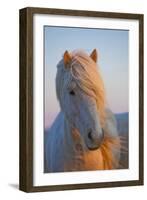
column 87, row 76
column 86, row 73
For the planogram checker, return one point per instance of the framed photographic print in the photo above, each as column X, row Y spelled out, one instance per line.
column 81, row 99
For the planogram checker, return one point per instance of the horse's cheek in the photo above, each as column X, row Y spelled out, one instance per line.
column 66, row 104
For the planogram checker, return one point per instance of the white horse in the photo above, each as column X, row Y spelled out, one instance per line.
column 84, row 135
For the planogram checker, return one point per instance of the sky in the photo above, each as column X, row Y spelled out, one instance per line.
column 112, row 48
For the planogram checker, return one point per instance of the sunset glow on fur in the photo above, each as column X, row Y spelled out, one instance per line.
column 87, row 76
column 84, row 135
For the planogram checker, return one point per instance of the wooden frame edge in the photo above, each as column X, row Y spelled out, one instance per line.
column 141, row 99
column 26, row 99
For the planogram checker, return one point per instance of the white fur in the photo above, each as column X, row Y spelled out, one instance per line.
column 79, row 114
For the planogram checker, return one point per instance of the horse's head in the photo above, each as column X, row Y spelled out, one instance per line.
column 81, row 95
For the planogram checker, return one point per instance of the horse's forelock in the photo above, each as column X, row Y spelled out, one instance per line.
column 87, row 76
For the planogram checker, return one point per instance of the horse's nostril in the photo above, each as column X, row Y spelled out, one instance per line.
column 90, row 135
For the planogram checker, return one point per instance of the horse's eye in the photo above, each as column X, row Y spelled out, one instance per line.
column 72, row 92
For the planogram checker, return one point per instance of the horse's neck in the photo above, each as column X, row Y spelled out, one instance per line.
column 76, row 158
column 73, row 148
column 71, row 136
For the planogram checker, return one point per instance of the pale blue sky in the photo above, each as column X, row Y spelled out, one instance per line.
column 112, row 47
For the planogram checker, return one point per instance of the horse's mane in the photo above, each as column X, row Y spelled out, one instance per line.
column 85, row 72
column 103, row 158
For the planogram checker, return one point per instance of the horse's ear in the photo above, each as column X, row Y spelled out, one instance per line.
column 67, row 59
column 93, row 55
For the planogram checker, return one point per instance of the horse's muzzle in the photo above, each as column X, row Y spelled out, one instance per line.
column 94, row 140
